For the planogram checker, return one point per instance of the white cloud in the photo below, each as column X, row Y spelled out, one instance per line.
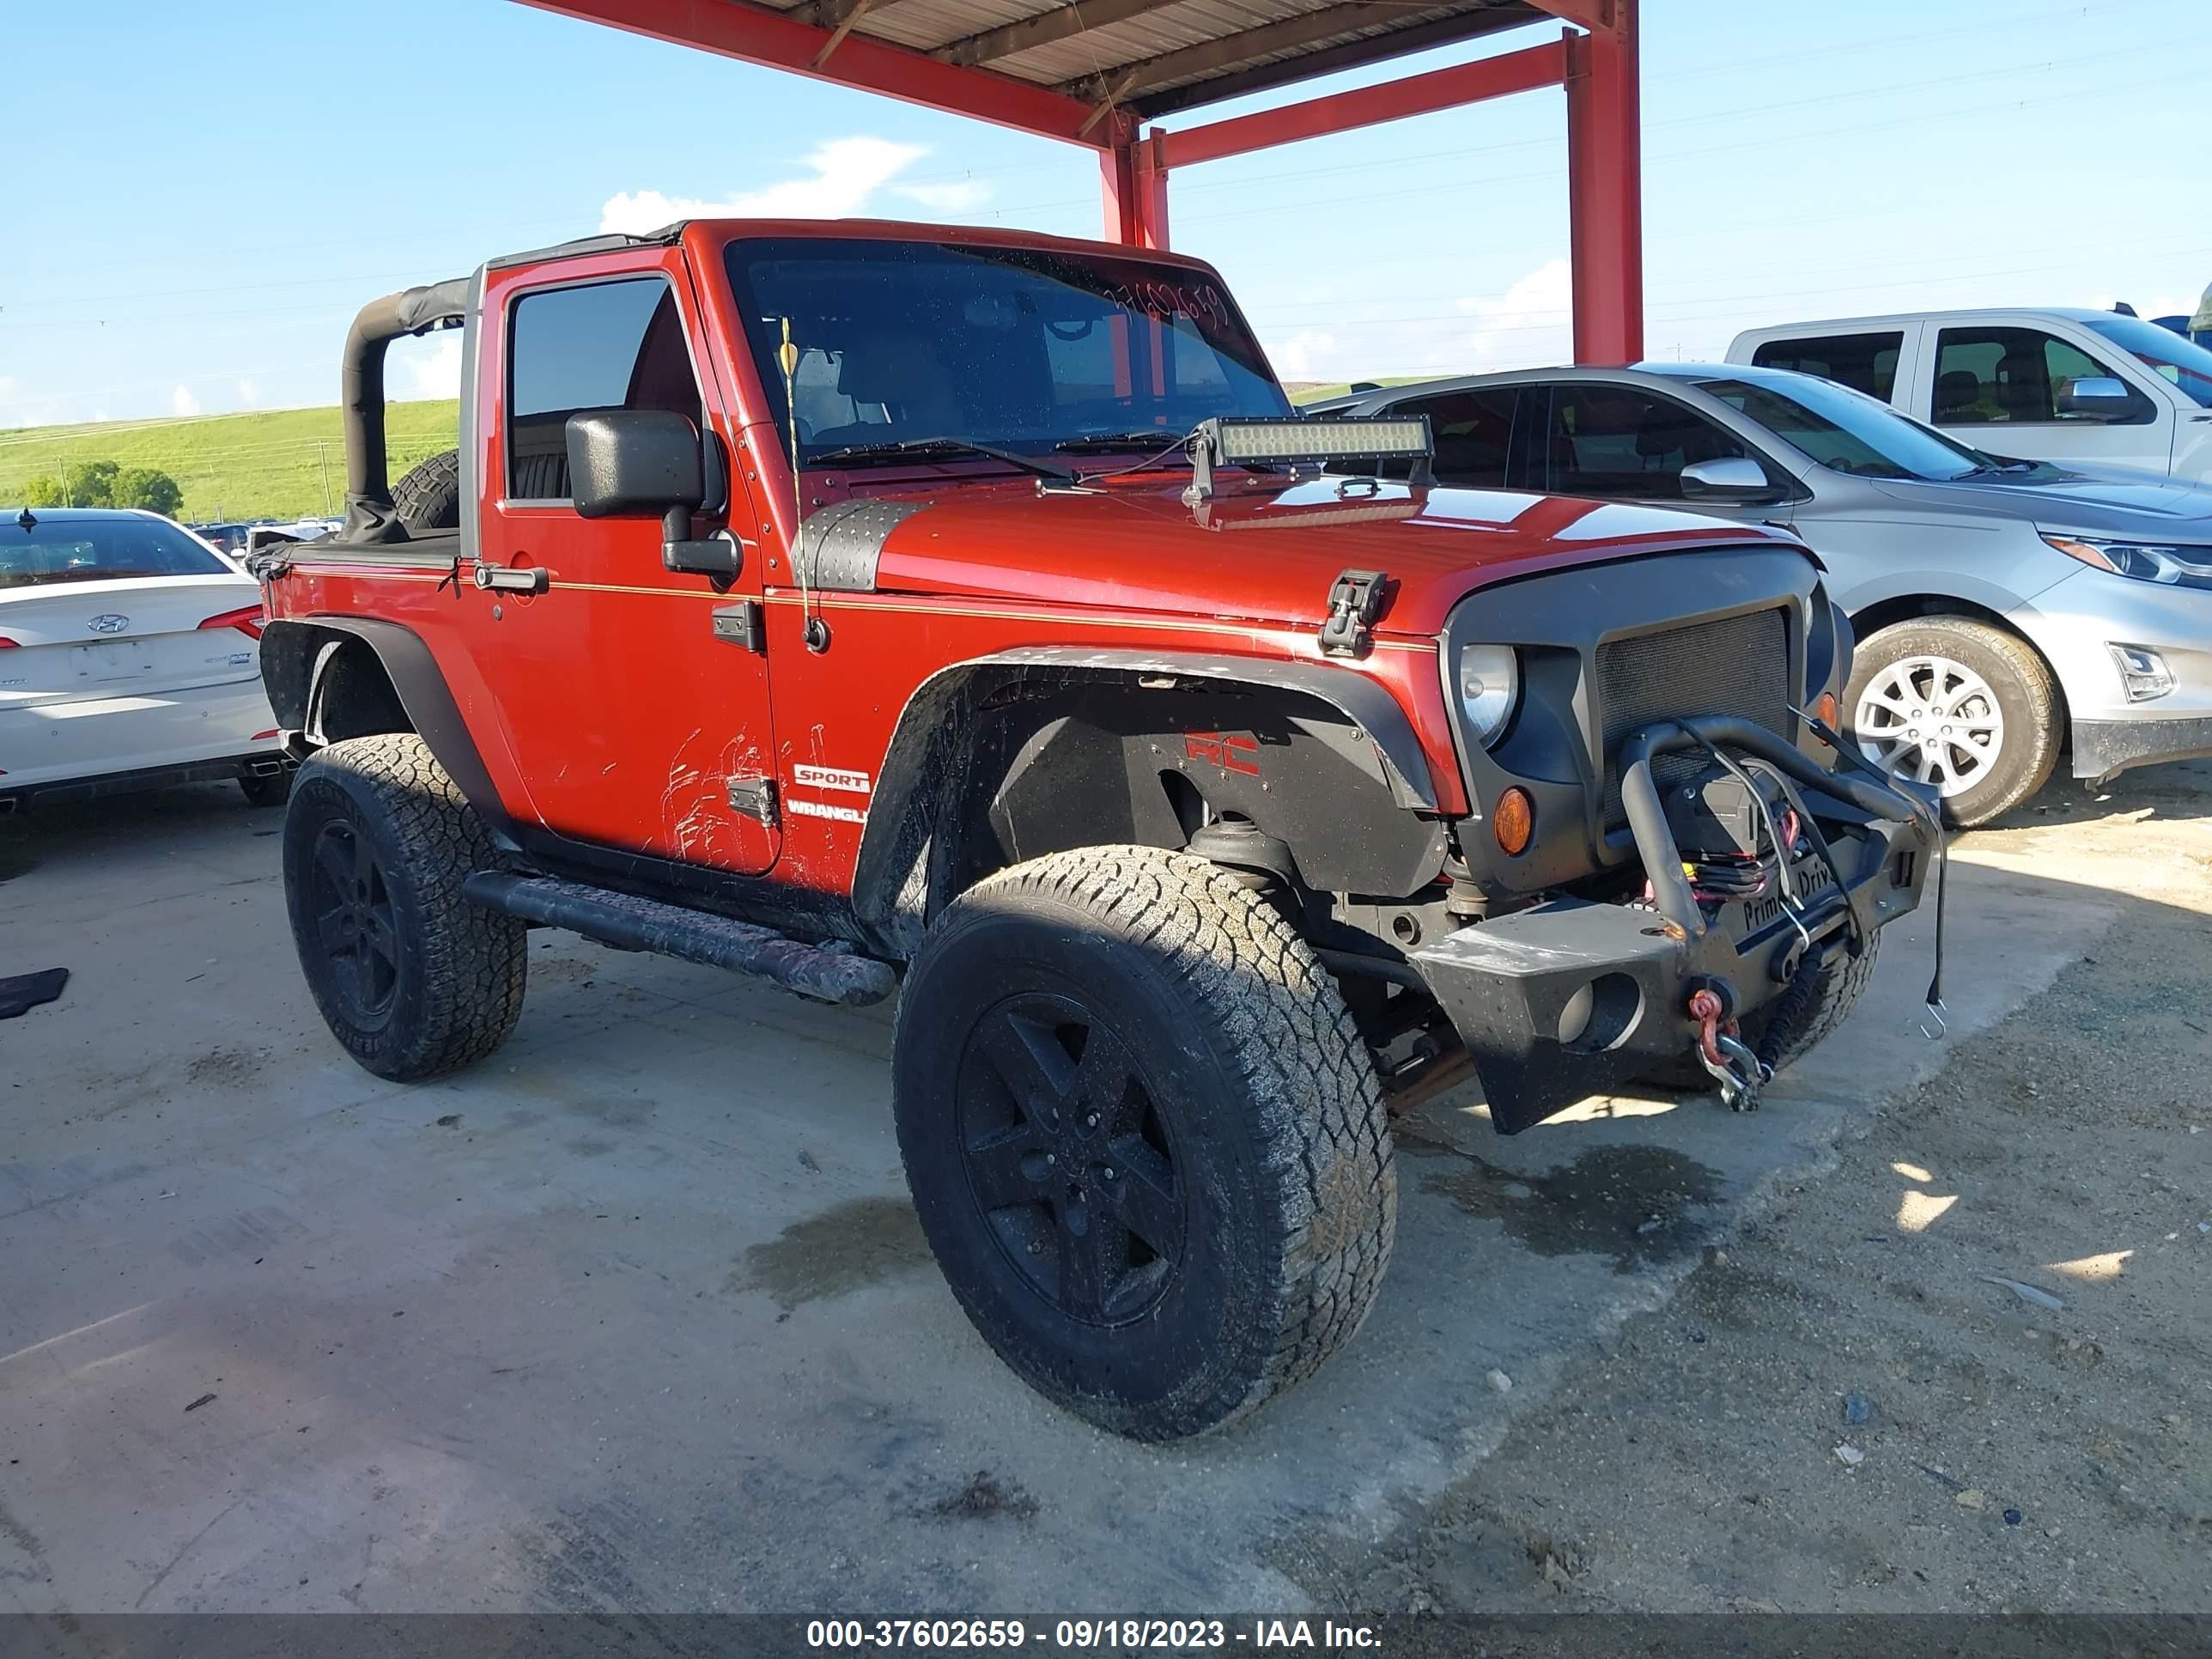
column 953, row 196
column 249, row 394
column 1531, row 322
column 1529, row 325
column 181, row 402
column 842, row 176
column 1304, row 355
column 428, row 366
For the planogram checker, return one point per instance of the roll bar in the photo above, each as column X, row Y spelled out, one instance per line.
column 361, row 387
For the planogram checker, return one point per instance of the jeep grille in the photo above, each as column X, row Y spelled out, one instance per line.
column 1735, row 665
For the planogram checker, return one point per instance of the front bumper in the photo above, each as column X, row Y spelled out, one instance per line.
column 1570, row 997
column 2104, row 749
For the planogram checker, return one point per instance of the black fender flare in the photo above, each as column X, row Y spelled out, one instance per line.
column 891, row 880
column 408, row 663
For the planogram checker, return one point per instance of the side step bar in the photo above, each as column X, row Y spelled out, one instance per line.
column 668, row 930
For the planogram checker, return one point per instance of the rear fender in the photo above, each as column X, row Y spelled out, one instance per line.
column 345, row 677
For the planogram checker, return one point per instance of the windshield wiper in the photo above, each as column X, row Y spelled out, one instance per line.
column 1104, row 443
column 911, row 448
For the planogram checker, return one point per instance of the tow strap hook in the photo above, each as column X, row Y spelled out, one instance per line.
column 1725, row 1055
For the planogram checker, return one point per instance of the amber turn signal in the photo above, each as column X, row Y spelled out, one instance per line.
column 1826, row 709
column 1513, row 820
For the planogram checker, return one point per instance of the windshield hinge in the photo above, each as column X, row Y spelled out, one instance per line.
column 1355, row 601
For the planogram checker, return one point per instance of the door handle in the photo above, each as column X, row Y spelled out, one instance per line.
column 522, row 579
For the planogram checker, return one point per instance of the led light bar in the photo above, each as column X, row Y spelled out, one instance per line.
column 1233, row 440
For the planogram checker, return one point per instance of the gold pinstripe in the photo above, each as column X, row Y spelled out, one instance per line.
column 925, row 608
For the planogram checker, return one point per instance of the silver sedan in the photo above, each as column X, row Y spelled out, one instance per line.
column 2006, row 611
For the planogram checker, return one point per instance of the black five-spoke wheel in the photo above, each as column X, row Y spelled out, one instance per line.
column 351, row 903
column 1069, row 1159
column 1144, row 1137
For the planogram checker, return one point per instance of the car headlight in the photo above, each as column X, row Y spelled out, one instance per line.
column 2177, row 564
column 1489, row 687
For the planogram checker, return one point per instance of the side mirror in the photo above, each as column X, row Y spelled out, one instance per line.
column 1738, row 478
column 633, row 464
column 644, row 464
column 2096, row 397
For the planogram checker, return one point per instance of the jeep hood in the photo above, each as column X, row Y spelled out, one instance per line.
column 1263, row 553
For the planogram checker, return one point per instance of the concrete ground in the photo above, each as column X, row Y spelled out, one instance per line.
column 637, row 1314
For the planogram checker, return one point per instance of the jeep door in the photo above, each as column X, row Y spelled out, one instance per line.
column 630, row 716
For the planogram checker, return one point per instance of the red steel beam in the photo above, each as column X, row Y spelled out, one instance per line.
column 1417, row 94
column 754, row 34
column 1135, row 186
column 1604, row 190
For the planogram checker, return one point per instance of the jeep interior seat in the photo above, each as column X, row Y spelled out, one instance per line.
column 903, row 372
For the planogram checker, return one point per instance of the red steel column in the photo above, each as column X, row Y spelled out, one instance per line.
column 1134, row 189
column 1605, row 187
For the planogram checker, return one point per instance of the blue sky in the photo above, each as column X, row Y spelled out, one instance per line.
column 204, row 196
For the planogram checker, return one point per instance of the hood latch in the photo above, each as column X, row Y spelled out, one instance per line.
column 1355, row 600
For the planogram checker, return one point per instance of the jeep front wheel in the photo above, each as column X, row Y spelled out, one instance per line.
column 410, row 977
column 1144, row 1136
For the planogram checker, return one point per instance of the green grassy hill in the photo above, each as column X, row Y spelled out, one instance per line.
column 266, row 464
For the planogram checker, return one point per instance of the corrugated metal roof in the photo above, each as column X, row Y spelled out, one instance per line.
column 1148, row 57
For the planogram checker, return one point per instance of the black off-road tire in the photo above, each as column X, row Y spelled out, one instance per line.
column 1261, row 1145
column 1838, row 993
column 2025, row 694
column 412, row 979
column 429, row 497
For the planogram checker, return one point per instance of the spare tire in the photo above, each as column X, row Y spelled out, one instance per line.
column 429, row 497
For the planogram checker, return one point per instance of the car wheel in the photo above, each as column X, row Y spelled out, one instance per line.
column 1144, row 1136
column 266, row 789
column 410, row 977
column 1959, row 704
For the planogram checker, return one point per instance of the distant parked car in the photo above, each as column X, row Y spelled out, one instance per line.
column 128, row 660
column 2003, row 608
column 2082, row 388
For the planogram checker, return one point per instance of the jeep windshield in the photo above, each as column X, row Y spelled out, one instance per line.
column 909, row 350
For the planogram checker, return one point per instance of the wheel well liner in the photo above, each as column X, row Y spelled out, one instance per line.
column 386, row 671
column 1006, row 757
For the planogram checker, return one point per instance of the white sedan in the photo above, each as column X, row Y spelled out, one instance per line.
column 128, row 660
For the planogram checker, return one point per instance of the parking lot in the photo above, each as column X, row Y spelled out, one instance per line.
column 637, row 1316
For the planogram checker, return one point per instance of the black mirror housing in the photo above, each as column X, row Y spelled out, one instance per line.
column 633, row 464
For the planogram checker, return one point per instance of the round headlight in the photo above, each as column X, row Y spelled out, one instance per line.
column 1489, row 686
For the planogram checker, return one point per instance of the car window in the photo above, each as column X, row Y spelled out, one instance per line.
column 2183, row 362
column 1848, row 431
column 1472, row 432
column 602, row 345
column 1626, row 443
column 2014, row 377
column 1865, row 362
column 51, row 550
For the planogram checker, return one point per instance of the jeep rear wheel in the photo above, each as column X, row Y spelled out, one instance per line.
column 1144, row 1136
column 410, row 977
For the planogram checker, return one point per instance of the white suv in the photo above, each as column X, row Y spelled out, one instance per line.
column 2091, row 389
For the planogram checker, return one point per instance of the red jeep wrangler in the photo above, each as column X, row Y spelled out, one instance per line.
column 848, row 604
